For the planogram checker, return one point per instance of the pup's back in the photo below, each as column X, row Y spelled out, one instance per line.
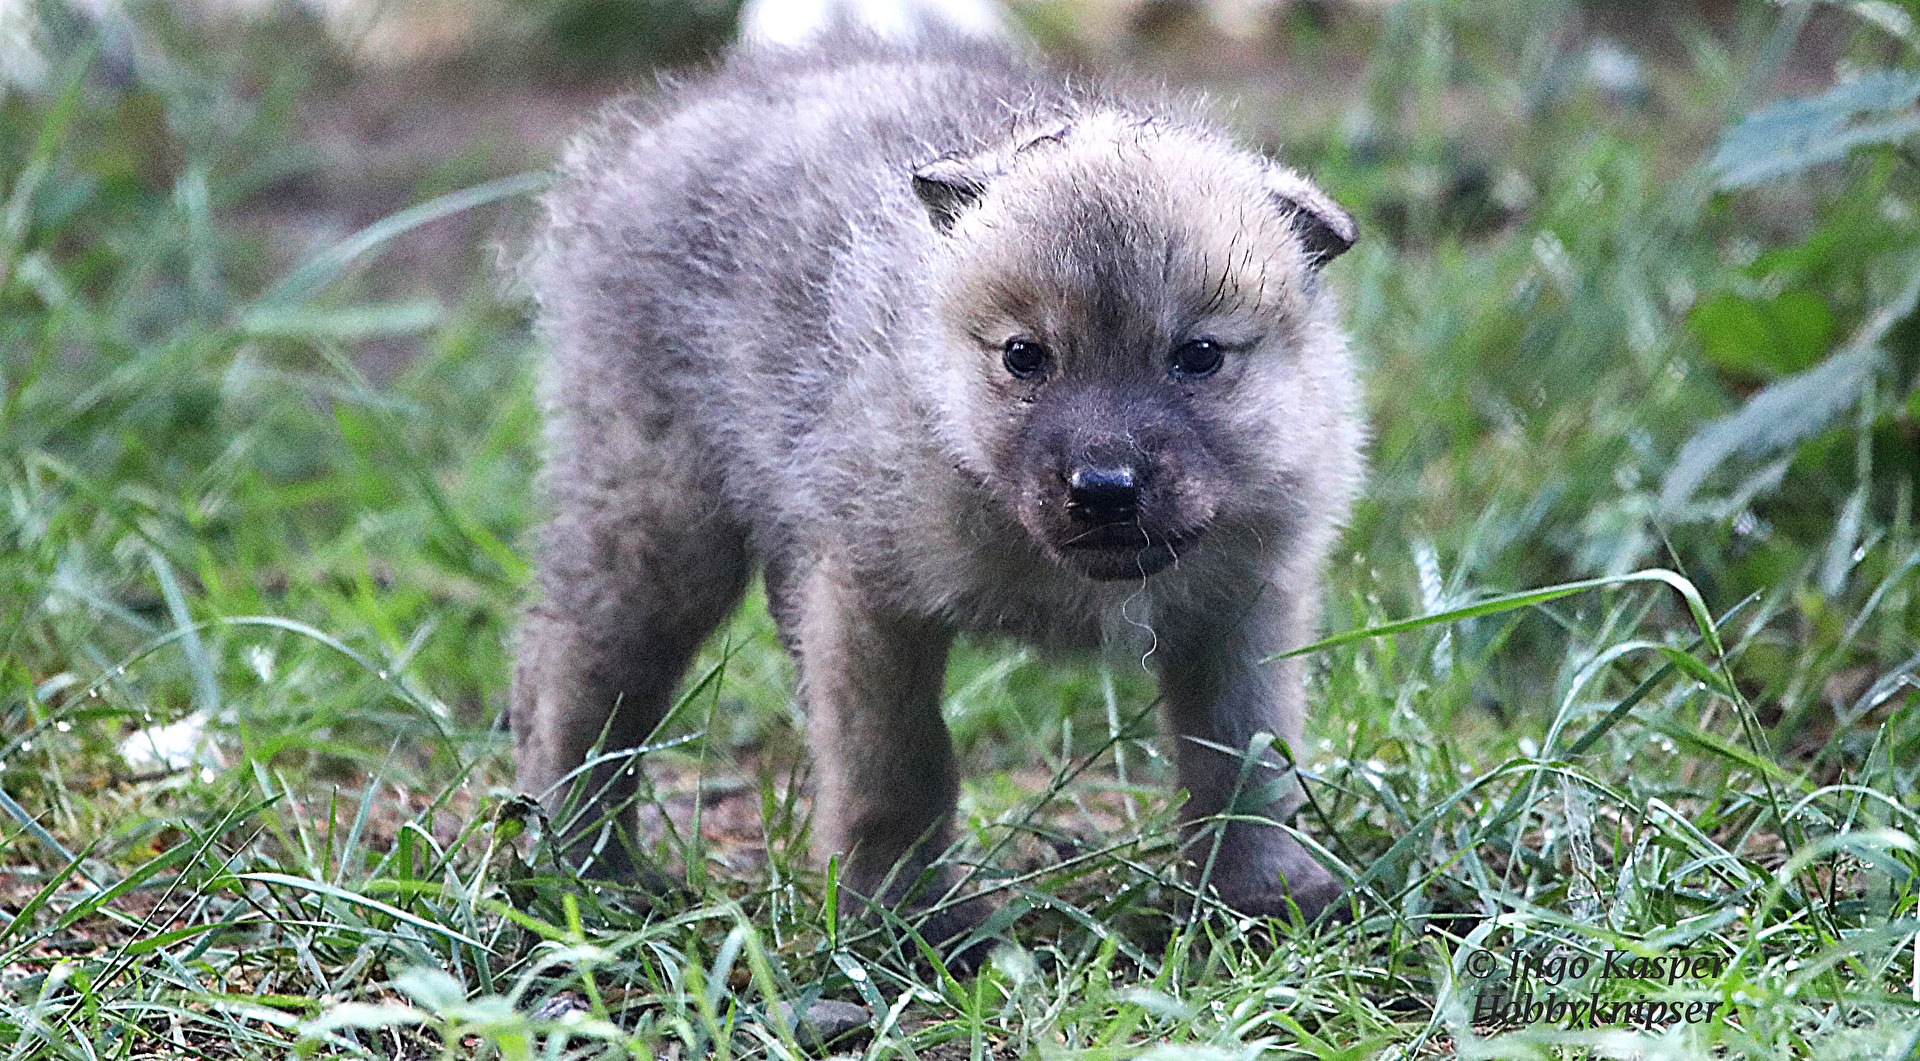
column 760, row 208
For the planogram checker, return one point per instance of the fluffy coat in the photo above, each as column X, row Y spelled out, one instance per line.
column 784, row 301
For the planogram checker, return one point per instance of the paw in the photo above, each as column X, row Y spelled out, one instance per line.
column 944, row 919
column 1283, row 883
column 950, row 930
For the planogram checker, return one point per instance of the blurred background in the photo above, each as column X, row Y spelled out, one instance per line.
column 1635, row 288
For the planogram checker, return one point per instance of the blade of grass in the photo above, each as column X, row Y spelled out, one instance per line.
column 1696, row 608
column 332, row 263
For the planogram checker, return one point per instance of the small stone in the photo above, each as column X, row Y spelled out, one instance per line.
column 560, row 1005
column 825, row 1023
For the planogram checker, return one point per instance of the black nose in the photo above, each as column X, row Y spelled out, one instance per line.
column 1102, row 494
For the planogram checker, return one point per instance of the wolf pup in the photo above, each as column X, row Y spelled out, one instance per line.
column 944, row 344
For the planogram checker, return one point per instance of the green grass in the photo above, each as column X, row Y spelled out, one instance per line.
column 1596, row 344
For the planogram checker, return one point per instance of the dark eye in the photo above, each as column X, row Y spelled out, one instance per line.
column 1025, row 358
column 1197, row 359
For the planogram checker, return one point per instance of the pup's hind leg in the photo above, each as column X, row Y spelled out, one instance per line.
column 639, row 564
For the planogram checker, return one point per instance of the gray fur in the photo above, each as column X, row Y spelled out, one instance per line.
column 767, row 346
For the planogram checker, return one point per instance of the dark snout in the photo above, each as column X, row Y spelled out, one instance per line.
column 1117, row 479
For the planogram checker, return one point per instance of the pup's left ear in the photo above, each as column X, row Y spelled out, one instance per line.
column 1325, row 229
column 949, row 187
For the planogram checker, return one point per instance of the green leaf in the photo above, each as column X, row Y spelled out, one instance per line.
column 1779, row 416
column 1791, row 135
column 1765, row 338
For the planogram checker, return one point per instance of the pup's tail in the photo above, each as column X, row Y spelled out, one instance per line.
column 790, row 23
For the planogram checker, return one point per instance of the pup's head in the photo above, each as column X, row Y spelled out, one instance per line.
column 1136, row 347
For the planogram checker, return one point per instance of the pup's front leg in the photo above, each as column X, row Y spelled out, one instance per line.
column 887, row 784
column 1218, row 695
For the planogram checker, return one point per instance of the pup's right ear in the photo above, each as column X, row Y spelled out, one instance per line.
column 949, row 187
